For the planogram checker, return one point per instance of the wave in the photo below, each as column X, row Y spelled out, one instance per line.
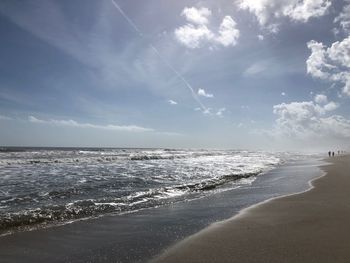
column 214, row 183
column 45, row 187
column 98, row 157
column 80, row 209
column 156, row 157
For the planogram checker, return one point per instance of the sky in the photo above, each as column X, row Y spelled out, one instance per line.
column 238, row 74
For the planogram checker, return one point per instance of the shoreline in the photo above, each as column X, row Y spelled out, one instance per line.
column 140, row 236
column 217, row 242
column 246, row 210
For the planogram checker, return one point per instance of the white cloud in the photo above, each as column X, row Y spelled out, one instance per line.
column 260, row 8
column 332, row 63
column 260, row 37
column 344, row 18
column 35, row 120
column 220, row 112
column 207, row 111
column 72, row 123
column 304, row 10
column 336, row 125
column 172, row 102
column 316, row 63
column 193, row 36
column 283, row 94
column 297, row 111
column 331, row 106
column 268, row 12
column 197, row 16
column 321, row 99
column 197, row 33
column 202, row 92
column 228, row 33
column 212, row 112
column 308, row 119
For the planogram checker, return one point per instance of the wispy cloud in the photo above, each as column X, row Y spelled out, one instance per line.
column 272, row 67
column 72, row 123
column 344, row 18
column 5, row 118
column 207, row 111
column 108, row 65
column 256, row 68
column 172, row 102
column 210, row 112
column 93, row 47
column 220, row 112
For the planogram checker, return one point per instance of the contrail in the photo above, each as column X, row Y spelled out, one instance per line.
column 131, row 23
column 177, row 74
column 187, row 84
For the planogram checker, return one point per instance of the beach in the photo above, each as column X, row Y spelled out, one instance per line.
column 174, row 131
column 312, row 226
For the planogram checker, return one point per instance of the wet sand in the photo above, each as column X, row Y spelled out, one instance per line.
column 313, row 226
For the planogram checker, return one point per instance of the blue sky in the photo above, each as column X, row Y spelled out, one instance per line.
column 262, row 74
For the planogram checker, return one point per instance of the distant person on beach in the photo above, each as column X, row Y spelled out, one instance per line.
column 333, row 154
column 329, row 153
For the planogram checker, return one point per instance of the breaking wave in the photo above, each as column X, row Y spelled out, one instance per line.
column 96, row 207
column 46, row 186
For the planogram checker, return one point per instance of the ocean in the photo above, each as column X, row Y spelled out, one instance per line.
column 42, row 187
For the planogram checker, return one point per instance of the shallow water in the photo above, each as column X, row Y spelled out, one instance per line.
column 41, row 186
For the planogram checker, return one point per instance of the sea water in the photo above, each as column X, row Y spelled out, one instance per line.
column 46, row 186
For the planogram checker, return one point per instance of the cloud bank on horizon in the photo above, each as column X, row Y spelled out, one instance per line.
column 277, row 70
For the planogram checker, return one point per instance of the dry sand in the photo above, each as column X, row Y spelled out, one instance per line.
column 313, row 226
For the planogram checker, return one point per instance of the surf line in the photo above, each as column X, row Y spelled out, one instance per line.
column 166, row 62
